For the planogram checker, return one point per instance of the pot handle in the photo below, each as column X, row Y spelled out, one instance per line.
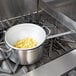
column 48, row 32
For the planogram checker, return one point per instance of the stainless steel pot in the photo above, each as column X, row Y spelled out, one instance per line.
column 27, row 57
column 17, row 32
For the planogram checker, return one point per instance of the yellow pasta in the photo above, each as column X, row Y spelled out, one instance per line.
column 26, row 43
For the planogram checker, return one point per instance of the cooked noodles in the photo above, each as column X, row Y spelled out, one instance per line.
column 25, row 43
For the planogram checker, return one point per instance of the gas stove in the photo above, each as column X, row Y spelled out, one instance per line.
column 53, row 48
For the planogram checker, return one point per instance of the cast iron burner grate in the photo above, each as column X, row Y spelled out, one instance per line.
column 53, row 48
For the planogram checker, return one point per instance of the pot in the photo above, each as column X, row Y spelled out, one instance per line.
column 20, row 31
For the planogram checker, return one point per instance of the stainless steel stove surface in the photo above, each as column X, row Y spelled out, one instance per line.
column 72, row 72
column 53, row 48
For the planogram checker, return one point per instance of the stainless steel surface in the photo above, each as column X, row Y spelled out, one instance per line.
column 67, row 8
column 13, row 8
column 27, row 57
column 56, row 67
column 51, row 10
column 56, row 3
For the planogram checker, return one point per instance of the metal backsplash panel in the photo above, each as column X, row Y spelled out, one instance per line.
column 13, row 8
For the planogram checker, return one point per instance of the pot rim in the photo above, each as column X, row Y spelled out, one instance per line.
column 24, row 48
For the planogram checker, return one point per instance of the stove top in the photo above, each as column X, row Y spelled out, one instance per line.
column 53, row 48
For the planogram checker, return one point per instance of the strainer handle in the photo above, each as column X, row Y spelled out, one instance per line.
column 48, row 30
